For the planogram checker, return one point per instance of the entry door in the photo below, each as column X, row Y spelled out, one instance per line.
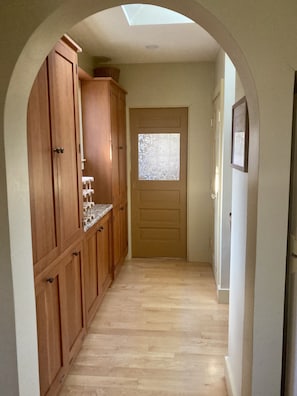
column 159, row 189
column 290, row 372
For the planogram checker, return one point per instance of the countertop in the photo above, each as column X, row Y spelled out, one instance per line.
column 99, row 210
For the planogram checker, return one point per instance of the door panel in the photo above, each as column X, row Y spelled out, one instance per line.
column 41, row 173
column 63, row 87
column 116, row 236
column 169, row 217
column 73, row 313
column 155, row 197
column 122, row 146
column 91, row 271
column 115, row 145
column 159, row 162
column 49, row 330
column 104, row 254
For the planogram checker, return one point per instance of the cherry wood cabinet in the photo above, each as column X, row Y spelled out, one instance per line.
column 52, row 361
column 63, row 80
column 44, row 222
column 104, row 239
column 60, row 317
column 97, row 264
column 104, row 126
column 120, row 236
column 73, row 294
column 72, row 269
column 56, row 213
column 54, row 157
column 103, row 112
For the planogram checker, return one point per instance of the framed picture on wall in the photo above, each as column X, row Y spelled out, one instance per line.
column 240, row 135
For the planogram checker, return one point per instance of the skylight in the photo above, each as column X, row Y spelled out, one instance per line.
column 145, row 14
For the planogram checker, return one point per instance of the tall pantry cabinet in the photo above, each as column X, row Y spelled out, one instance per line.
column 104, row 126
column 56, row 213
column 54, row 158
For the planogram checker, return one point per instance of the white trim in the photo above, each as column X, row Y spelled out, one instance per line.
column 223, row 296
column 229, row 378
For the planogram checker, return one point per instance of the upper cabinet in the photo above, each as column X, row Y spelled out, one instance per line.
column 54, row 157
column 66, row 144
column 103, row 114
column 104, row 126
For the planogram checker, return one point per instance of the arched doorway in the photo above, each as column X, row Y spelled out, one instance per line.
column 30, row 56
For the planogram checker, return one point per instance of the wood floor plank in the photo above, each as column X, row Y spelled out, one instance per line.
column 158, row 332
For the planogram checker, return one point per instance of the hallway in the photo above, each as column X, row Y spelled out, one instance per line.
column 158, row 332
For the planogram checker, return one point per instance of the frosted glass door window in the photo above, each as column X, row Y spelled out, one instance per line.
column 159, row 156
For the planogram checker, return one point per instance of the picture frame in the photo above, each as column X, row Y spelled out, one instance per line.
column 240, row 135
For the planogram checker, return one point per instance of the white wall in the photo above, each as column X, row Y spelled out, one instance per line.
column 219, row 67
column 225, row 84
column 184, row 85
column 86, row 62
column 237, row 271
column 261, row 42
column 237, row 279
column 226, row 187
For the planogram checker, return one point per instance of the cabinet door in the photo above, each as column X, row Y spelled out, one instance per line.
column 116, row 237
column 49, row 328
column 95, row 95
column 65, row 137
column 104, row 254
column 73, row 313
column 91, row 273
column 122, row 146
column 124, row 230
column 120, row 236
column 41, row 174
column 115, row 144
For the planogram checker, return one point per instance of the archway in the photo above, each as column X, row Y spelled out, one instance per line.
column 32, row 52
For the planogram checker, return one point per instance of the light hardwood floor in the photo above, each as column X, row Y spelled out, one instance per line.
column 158, row 332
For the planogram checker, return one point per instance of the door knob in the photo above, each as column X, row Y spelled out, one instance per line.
column 50, row 280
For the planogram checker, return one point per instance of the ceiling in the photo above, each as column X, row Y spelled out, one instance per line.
column 108, row 35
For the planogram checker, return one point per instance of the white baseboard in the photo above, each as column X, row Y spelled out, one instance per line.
column 223, row 296
column 229, row 378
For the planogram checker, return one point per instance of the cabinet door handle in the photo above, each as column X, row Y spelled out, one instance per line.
column 75, row 254
column 50, row 280
column 100, row 229
column 121, row 147
column 58, row 150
